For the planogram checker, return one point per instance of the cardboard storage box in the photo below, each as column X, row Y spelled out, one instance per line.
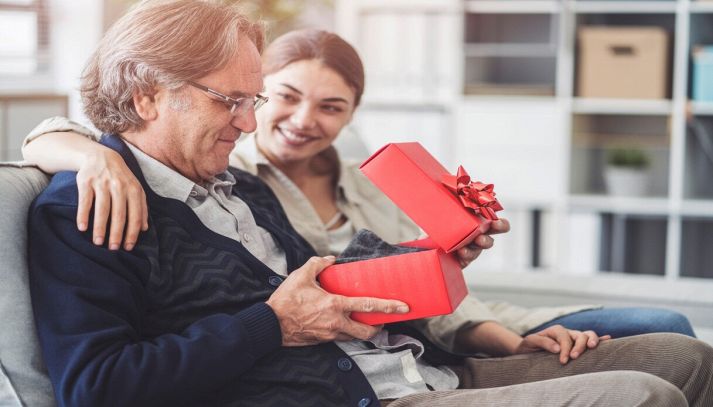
column 431, row 282
column 623, row 62
column 702, row 83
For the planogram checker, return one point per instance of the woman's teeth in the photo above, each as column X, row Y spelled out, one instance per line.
column 295, row 138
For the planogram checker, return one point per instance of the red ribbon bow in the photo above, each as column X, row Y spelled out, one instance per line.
column 475, row 196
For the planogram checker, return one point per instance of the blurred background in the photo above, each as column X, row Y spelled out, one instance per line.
column 594, row 119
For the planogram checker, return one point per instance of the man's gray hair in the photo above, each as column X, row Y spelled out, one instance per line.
column 159, row 43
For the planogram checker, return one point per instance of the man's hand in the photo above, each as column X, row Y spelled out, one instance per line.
column 557, row 339
column 468, row 253
column 309, row 315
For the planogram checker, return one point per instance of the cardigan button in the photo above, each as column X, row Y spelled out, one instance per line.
column 275, row 281
column 344, row 364
column 365, row 402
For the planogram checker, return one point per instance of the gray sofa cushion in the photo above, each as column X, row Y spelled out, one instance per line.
column 20, row 354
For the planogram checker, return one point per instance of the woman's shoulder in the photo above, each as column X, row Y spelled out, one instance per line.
column 355, row 184
column 377, row 212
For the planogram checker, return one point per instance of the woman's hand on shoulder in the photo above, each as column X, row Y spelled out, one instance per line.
column 105, row 181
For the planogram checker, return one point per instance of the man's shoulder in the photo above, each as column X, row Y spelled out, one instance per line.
column 62, row 190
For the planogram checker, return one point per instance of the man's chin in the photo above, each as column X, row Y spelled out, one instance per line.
column 222, row 168
column 215, row 170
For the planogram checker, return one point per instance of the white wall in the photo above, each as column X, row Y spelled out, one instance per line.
column 76, row 28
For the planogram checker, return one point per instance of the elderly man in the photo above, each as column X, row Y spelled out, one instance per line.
column 218, row 303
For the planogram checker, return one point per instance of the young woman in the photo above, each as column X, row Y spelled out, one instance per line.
column 315, row 80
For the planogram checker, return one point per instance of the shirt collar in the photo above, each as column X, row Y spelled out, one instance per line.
column 169, row 183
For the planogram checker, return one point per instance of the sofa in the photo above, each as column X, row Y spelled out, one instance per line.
column 23, row 377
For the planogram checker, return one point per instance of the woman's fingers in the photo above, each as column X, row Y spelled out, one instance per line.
column 144, row 211
column 136, row 203
column 536, row 342
column 102, row 207
column 565, row 341
column 594, row 339
column 118, row 215
column 580, row 343
column 85, row 199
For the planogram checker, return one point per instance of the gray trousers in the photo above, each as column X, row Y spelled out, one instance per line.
column 648, row 370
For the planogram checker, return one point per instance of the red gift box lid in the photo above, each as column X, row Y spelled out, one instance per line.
column 413, row 179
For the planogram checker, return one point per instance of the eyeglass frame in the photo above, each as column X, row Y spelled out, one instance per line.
column 235, row 103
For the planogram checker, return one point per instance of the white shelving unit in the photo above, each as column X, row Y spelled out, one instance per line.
column 622, row 107
column 500, row 77
column 632, row 7
column 702, row 108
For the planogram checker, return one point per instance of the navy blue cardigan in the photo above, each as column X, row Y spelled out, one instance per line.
column 181, row 319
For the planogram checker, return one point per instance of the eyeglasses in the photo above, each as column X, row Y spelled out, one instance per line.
column 237, row 106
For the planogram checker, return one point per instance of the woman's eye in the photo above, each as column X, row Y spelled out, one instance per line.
column 332, row 109
column 286, row 97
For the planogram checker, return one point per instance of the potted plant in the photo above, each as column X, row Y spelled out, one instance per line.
column 626, row 173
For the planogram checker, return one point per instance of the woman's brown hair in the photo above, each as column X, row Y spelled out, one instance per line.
column 333, row 52
column 324, row 46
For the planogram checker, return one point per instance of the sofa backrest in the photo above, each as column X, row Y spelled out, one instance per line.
column 23, row 377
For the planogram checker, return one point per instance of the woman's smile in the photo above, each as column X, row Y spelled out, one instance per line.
column 295, row 138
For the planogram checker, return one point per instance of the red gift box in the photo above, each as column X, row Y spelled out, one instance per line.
column 452, row 210
column 430, row 282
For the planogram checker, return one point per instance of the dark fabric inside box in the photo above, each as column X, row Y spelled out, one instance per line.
column 367, row 245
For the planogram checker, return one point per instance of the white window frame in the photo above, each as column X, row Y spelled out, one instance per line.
column 41, row 78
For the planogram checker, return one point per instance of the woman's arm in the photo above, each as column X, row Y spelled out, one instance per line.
column 102, row 178
column 60, row 151
column 496, row 340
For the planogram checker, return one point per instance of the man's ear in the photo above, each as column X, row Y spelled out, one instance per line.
column 145, row 105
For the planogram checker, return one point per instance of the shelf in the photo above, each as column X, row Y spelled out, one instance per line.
column 595, row 288
column 701, row 7
column 702, row 108
column 697, row 208
column 702, row 208
column 415, row 104
column 410, row 6
column 622, row 106
column 514, row 90
column 513, row 6
column 620, row 205
column 510, row 50
column 504, row 54
column 606, row 7
column 511, row 98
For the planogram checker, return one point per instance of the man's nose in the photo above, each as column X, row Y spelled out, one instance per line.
column 245, row 122
column 303, row 117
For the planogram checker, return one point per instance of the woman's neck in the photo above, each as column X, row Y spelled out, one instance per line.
column 298, row 172
column 318, row 187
